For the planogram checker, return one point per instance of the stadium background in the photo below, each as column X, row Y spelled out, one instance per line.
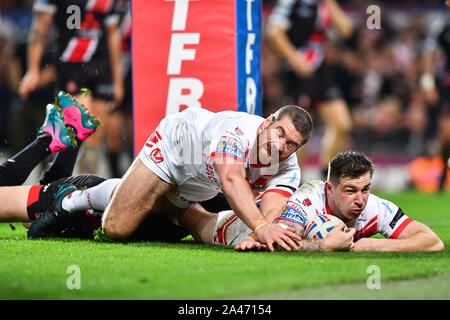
column 378, row 72
column 392, row 127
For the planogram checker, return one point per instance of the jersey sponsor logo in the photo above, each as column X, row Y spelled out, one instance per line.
column 306, row 202
column 232, row 141
column 397, row 217
column 230, row 146
column 155, row 153
column 292, row 212
column 45, row 188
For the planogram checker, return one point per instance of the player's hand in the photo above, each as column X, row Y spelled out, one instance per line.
column 249, row 244
column 270, row 233
column 302, row 67
column 340, row 238
column 29, row 83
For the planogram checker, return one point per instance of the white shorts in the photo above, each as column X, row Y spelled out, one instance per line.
column 229, row 229
column 162, row 154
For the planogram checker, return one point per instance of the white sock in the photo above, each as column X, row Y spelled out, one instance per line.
column 96, row 198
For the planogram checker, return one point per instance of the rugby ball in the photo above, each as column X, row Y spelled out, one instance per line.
column 320, row 226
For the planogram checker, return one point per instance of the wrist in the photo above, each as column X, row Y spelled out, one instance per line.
column 258, row 224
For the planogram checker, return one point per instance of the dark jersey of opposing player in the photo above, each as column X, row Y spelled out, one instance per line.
column 86, row 41
column 305, row 22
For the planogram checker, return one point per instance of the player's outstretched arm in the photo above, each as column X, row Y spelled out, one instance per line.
column 36, row 46
column 280, row 41
column 340, row 19
column 415, row 237
column 240, row 197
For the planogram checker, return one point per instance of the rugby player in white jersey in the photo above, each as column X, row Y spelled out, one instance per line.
column 346, row 195
column 195, row 154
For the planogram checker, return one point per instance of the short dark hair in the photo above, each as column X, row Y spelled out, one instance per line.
column 349, row 164
column 300, row 119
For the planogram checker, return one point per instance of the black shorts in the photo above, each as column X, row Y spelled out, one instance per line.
column 156, row 227
column 309, row 92
column 41, row 197
column 94, row 75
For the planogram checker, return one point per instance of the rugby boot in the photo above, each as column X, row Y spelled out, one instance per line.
column 77, row 116
column 64, row 190
column 54, row 125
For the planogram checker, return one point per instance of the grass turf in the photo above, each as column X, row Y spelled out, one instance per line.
column 187, row 270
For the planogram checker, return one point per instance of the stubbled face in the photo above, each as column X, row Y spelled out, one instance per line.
column 277, row 141
column 349, row 197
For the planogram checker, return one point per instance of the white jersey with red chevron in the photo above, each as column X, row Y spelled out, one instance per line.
column 182, row 149
column 379, row 215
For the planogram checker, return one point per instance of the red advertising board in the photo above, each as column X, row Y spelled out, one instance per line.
column 184, row 55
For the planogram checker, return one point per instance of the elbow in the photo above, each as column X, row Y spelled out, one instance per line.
column 435, row 244
column 438, row 246
column 115, row 231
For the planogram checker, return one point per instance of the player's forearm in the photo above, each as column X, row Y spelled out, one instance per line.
column 241, row 200
column 37, row 40
column 311, row 245
column 34, row 55
column 419, row 242
column 271, row 205
column 114, row 46
column 429, row 59
column 281, row 43
column 340, row 19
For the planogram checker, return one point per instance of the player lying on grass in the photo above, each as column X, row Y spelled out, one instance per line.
column 346, row 194
column 195, row 154
column 237, row 153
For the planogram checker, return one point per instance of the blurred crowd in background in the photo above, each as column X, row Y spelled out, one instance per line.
column 377, row 70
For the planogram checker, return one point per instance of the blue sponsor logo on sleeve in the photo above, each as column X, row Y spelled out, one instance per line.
column 291, row 214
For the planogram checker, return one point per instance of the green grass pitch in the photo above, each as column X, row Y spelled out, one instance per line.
column 187, row 270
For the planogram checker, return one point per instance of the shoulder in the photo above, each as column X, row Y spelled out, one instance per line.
column 304, row 204
column 310, row 195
